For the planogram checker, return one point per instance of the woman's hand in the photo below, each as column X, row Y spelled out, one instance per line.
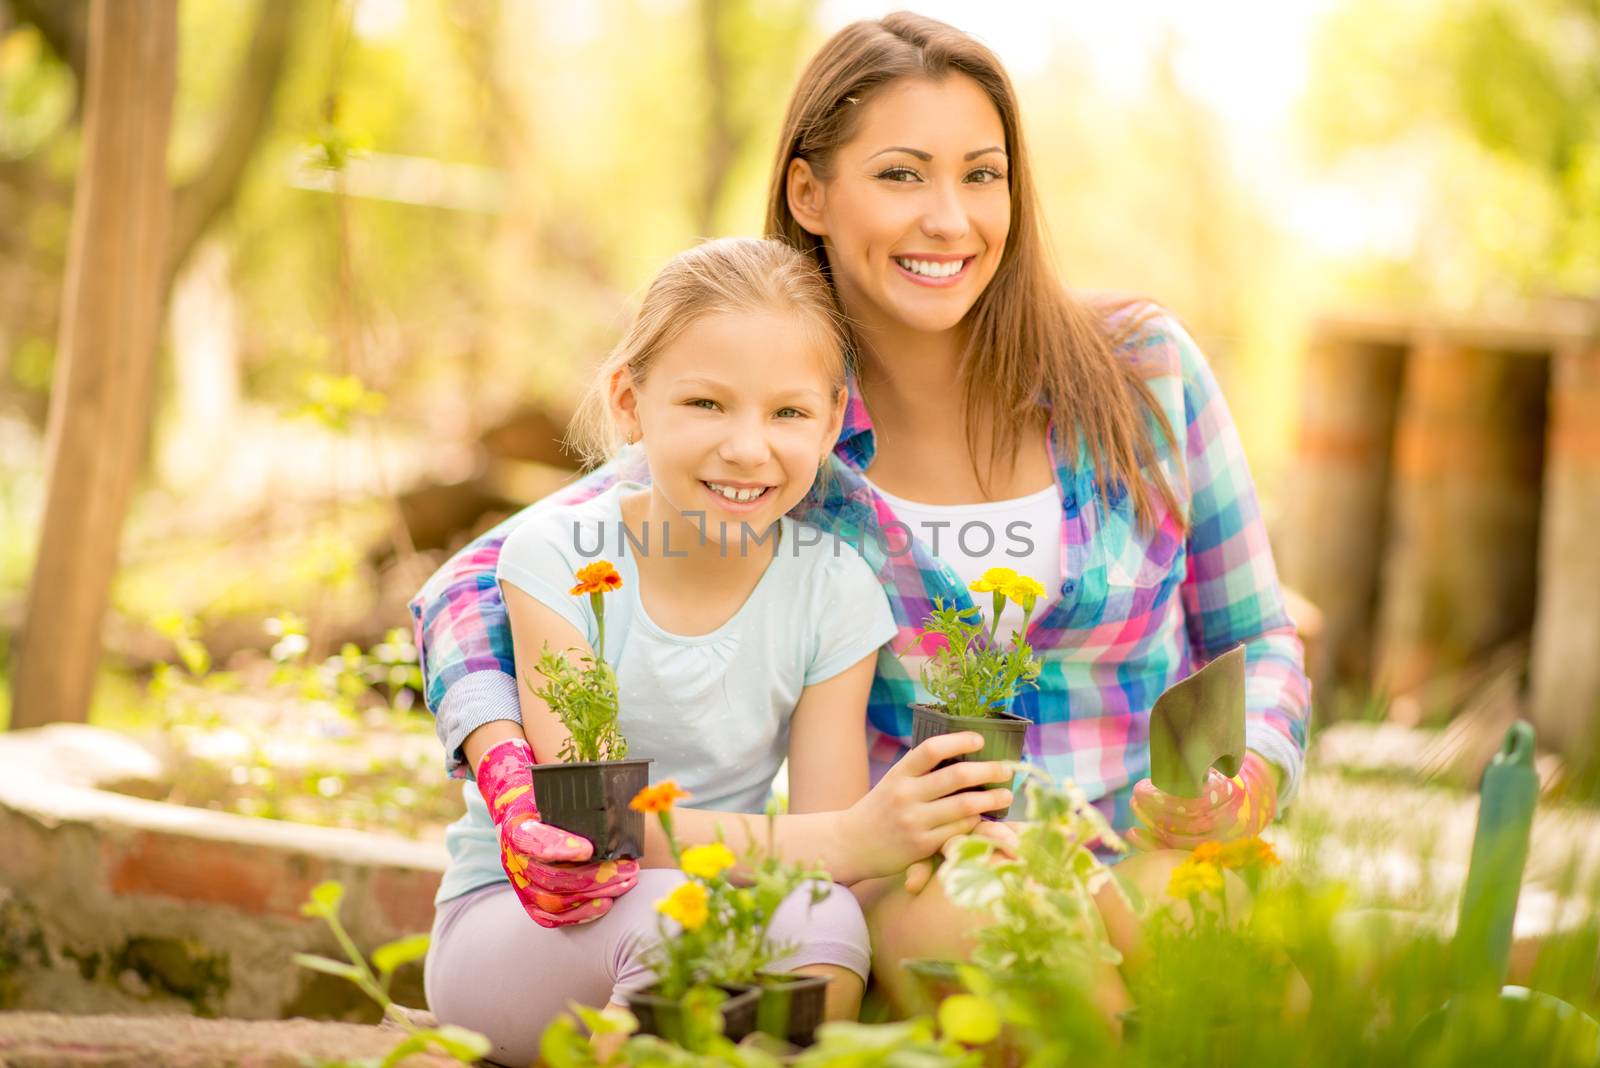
column 1004, row 835
column 1239, row 807
column 549, row 868
column 914, row 810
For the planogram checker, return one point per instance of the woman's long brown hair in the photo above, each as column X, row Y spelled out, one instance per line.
column 1027, row 337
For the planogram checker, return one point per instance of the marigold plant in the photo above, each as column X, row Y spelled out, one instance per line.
column 584, row 695
column 970, row 673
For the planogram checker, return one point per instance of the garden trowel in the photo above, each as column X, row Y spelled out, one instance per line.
column 1197, row 725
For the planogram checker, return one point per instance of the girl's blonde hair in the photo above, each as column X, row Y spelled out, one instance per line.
column 732, row 274
column 1028, row 338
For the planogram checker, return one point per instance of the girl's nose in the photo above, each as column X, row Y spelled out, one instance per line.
column 946, row 217
column 746, row 445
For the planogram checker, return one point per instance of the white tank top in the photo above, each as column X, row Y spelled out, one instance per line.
column 1023, row 533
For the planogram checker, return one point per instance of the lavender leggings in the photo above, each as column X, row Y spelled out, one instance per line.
column 494, row 970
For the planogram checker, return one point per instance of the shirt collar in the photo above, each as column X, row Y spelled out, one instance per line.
column 856, row 445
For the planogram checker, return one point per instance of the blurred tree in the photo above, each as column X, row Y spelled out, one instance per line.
column 1503, row 96
column 109, row 323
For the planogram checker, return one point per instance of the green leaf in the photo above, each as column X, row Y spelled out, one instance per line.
column 464, row 1045
column 611, row 1020
column 969, row 1019
column 325, row 898
column 561, row 1046
column 328, row 966
column 391, row 955
column 412, row 1044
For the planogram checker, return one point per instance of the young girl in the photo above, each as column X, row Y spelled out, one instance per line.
column 738, row 636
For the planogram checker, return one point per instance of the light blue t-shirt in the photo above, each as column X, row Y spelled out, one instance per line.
column 713, row 709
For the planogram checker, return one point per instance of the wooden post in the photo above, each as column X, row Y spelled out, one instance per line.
column 1459, row 572
column 1566, row 637
column 110, row 319
column 1339, row 498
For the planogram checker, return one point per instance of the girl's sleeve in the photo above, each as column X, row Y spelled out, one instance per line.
column 851, row 618
column 463, row 635
column 1231, row 593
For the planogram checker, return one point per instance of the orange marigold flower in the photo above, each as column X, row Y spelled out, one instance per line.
column 1209, row 853
column 1249, row 853
column 658, row 798
column 598, row 577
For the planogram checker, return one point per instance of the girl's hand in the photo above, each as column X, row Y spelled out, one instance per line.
column 548, row 867
column 914, row 809
column 1240, row 807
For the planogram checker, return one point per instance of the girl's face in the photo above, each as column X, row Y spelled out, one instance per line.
column 735, row 417
column 917, row 209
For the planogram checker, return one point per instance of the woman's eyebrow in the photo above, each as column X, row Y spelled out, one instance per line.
column 923, row 156
column 927, row 157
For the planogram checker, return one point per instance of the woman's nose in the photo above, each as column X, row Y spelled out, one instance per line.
column 946, row 216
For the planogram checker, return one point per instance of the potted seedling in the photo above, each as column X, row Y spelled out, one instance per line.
column 972, row 678
column 722, row 942
column 1044, row 933
column 588, row 792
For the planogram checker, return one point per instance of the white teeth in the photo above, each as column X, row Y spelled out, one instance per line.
column 740, row 495
column 929, row 268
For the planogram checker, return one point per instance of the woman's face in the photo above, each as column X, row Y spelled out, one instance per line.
column 735, row 416
column 916, row 210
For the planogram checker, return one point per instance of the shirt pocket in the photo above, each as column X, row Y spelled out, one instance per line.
column 1132, row 572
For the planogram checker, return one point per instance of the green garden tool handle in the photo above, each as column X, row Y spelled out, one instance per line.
column 1507, row 799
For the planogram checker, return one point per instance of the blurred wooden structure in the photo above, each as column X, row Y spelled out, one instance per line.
column 111, row 312
column 1446, row 503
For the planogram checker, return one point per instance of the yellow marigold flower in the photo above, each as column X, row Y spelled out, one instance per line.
column 598, row 577
column 658, row 798
column 1024, row 591
column 1193, row 878
column 687, row 905
column 1249, row 853
column 707, row 861
column 996, row 578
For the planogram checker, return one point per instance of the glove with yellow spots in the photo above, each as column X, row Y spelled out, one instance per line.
column 549, row 868
column 1239, row 807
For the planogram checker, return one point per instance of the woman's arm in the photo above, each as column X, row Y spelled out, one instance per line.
column 828, row 741
column 1230, row 593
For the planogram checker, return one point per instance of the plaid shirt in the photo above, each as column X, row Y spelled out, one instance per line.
column 1138, row 609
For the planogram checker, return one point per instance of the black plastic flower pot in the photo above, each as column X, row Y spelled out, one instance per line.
column 791, row 1006
column 1003, row 734
column 664, row 1017
column 591, row 799
column 932, row 981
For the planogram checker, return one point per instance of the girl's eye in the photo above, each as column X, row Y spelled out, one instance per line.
column 791, row 413
column 702, row 402
column 898, row 174
column 986, row 175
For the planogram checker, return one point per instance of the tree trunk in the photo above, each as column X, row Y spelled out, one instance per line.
column 111, row 307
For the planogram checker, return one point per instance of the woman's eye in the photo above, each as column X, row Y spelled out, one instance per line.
column 985, row 175
column 898, row 174
column 702, row 402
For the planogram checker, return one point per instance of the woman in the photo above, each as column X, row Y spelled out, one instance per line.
column 998, row 421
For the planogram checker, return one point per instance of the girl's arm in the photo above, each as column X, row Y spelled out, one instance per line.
column 910, row 813
column 828, row 741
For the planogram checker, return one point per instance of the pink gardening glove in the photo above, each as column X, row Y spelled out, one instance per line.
column 1240, row 807
column 546, row 865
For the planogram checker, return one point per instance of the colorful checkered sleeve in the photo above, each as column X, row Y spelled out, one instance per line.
column 463, row 636
column 1231, row 593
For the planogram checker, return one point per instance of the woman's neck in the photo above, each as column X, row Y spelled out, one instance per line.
column 911, row 379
